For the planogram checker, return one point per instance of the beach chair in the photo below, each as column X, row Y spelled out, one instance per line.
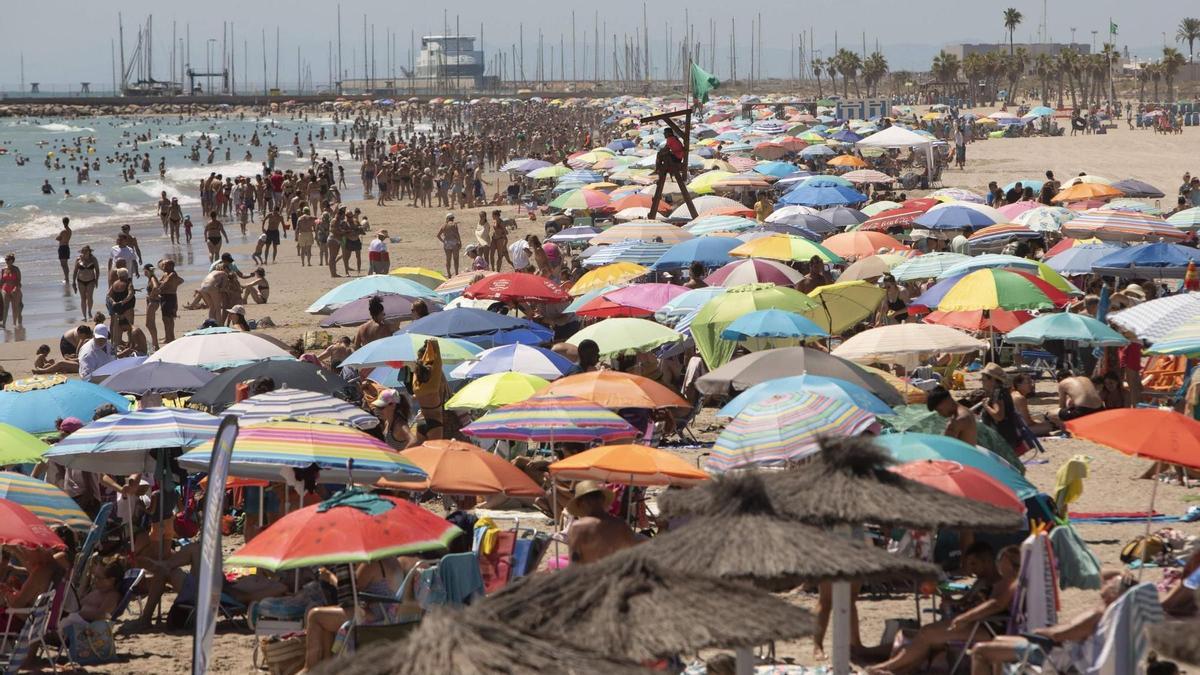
column 1163, row 376
column 496, row 566
column 454, row 582
column 84, row 559
column 403, row 612
column 1038, row 361
column 16, row 647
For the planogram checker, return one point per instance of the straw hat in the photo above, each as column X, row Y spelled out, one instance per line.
column 996, row 372
column 585, row 488
column 237, row 309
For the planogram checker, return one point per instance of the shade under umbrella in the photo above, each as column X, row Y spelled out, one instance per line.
column 221, row 391
column 298, row 403
column 119, row 444
column 396, row 307
column 161, row 378
column 746, row 371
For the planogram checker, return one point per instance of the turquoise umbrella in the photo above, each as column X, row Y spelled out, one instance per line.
column 366, row 286
column 34, row 404
column 912, row 447
column 1074, row 327
column 818, row 384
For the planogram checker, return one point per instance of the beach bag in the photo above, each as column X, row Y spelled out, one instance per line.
column 282, row 654
column 316, row 340
column 1143, row 549
column 91, row 643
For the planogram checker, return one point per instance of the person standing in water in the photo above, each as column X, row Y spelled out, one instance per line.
column 214, row 231
column 64, row 248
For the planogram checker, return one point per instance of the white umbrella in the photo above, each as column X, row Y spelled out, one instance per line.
column 906, row 344
column 1152, row 320
column 297, row 403
column 219, row 350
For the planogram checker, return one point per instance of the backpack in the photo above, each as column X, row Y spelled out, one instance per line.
column 1144, row 549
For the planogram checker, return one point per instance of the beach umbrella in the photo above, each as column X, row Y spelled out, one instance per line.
column 455, row 285
column 221, row 391
column 218, row 350
column 607, row 275
column 1153, row 320
column 644, row 230
column 119, row 444
column 458, row 468
column 34, row 404
column 1129, row 204
column 623, row 335
column 1187, row 219
column 784, row 247
column 422, row 275
column 784, row 428
column 1064, row 326
column 516, row 287
column 620, row 605
column 822, row 192
column 1067, row 243
column 404, row 347
column 913, row 446
column 580, row 199
column 830, row 387
column 494, row 391
column 928, row 266
column 786, row 215
column 855, row 245
column 955, row 217
column 813, row 151
column 703, row 184
column 953, row 194
column 638, row 300
column 962, row 481
column 906, row 343
column 980, row 321
column 629, row 465
column 754, row 271
column 1087, row 178
column 709, row 204
column 1000, row 289
column 746, row 371
column 849, row 161
column 710, row 224
column 44, row 500
column 576, row 235
column 844, row 304
column 635, row 200
column 352, row 526
column 1080, row 259
column 631, row 251
column 364, row 287
column 872, row 267
column 715, row 316
column 616, row 390
column 395, row 308
column 989, row 261
column 548, row 172
column 769, row 328
column 523, row 165
column 996, row 236
column 1159, row 255
column 22, row 528
column 584, row 176
column 115, row 366
column 708, row 251
column 269, row 451
column 18, row 446
column 902, row 216
column 1011, row 211
column 1152, row 433
column 1132, row 187
column 843, row 216
column 159, row 378
column 1184, row 340
column 775, row 169
column 1110, row 225
column 476, row 325
column 515, row 358
column 1084, row 191
column 1044, row 218
column 552, row 419
column 299, row 403
column 869, row 176
column 875, row 208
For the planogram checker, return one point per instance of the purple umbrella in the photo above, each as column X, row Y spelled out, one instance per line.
column 395, row 307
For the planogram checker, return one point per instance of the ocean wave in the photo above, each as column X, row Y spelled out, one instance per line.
column 58, row 127
column 40, row 227
column 167, row 139
column 200, row 134
column 193, row 174
column 152, row 189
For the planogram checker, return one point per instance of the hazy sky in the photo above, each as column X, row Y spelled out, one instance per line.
column 68, row 41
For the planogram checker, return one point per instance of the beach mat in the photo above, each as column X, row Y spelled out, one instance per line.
column 1116, row 517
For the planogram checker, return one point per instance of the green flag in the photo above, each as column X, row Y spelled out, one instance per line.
column 702, row 83
column 1112, row 27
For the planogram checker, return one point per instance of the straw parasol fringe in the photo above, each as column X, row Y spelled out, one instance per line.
column 449, row 641
column 636, row 608
column 1177, row 640
column 848, row 482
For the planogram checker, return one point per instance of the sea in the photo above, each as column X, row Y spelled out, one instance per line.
column 52, row 149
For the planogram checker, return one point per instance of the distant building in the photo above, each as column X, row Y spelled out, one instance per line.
column 448, row 56
column 1050, row 48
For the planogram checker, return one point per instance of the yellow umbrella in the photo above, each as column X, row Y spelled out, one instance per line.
column 421, row 275
column 496, row 390
column 608, row 275
column 703, row 184
column 601, row 186
column 844, row 304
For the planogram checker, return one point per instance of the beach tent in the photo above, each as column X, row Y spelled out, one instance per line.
column 899, row 137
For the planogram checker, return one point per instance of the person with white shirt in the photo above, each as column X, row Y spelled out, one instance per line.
column 519, row 252
column 95, row 352
column 378, row 259
column 959, row 244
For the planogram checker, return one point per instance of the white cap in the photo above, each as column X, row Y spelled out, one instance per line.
column 101, row 331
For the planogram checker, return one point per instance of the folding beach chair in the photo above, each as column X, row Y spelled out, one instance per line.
column 84, row 559
column 454, row 582
column 16, row 647
column 1038, row 361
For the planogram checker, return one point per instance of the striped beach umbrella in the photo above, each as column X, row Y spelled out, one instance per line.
column 288, row 402
column 709, row 224
column 581, row 199
column 996, row 236
column 34, row 404
column 784, row 247
column 644, row 253
column 119, row 444
column 1000, row 289
column 552, row 419
column 455, row 285
column 269, row 451
column 1109, row 225
column 1182, row 341
column 44, row 500
column 1187, row 219
column 1154, row 320
column 784, row 428
column 753, row 271
column 403, row 348
column 645, row 230
column 607, row 275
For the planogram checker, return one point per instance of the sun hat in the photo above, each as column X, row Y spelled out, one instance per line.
column 386, row 397
column 237, row 309
column 585, row 488
column 996, row 372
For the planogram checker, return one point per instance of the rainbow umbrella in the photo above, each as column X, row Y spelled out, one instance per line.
column 1000, row 289
column 717, row 314
column 35, row 403
column 753, row 271
column 784, row 247
column 832, row 387
column 18, row 446
column 607, row 275
column 289, row 402
column 581, row 199
column 1108, row 225
column 784, row 428
column 552, row 419
column 270, row 451
column 623, row 335
column 119, row 444
column 496, row 390
column 996, row 236
column 350, row 527
column 46, row 501
column 1184, row 340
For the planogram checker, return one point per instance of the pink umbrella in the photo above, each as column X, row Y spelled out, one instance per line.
column 635, row 300
column 753, row 271
column 1013, row 210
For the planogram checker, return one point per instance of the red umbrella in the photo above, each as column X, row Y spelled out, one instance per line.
column 963, row 481
column 19, row 527
column 512, row 286
column 903, row 216
column 352, row 526
column 1162, row 435
column 979, row 321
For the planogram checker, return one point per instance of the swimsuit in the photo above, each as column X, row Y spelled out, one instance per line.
column 273, row 237
column 64, row 345
column 122, row 305
column 8, row 281
column 169, row 305
column 64, row 252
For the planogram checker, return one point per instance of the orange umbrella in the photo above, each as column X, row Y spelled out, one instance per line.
column 860, row 244
column 1081, row 191
column 616, row 390
column 1161, row 435
column 458, row 468
column 638, row 200
column 979, row 321
column 629, row 465
column 963, row 481
column 847, row 161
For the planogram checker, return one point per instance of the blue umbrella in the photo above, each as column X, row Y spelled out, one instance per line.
column 953, row 217
column 1041, row 111
column 113, row 367
column 821, row 193
column 584, row 176
column 776, row 169
column 1080, row 259
column 158, row 376
column 687, row 303
column 619, row 144
column 772, row 323
column 35, row 404
column 403, row 348
column 467, row 322
column 913, row 447
column 1149, row 255
column 708, row 251
column 365, row 286
column 118, row 444
column 846, row 136
column 817, row 151
column 516, row 359
column 1032, row 183
column 831, row 387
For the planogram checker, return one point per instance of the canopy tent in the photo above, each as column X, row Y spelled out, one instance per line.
column 899, row 137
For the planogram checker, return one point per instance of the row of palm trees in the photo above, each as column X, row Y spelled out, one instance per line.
column 850, row 66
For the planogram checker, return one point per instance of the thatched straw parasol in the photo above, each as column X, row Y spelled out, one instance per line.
column 449, row 641
column 629, row 606
column 1179, row 640
column 785, row 551
column 848, row 482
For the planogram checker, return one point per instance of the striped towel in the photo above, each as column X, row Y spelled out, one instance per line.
column 1120, row 644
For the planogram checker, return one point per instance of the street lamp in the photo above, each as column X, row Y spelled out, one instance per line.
column 1094, row 41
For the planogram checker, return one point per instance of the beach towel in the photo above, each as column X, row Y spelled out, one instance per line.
column 1037, row 604
column 1120, row 644
column 456, row 581
column 496, row 566
column 1068, row 483
column 1077, row 566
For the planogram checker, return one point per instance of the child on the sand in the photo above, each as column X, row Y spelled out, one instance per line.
column 44, row 365
column 258, row 249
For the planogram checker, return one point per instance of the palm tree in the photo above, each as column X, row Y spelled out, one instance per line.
column 831, row 69
column 849, row 64
column 1189, row 32
column 1068, row 61
column 1043, row 67
column 1143, row 76
column 1012, row 19
column 818, row 67
column 874, row 68
column 974, row 67
column 945, row 68
column 1172, row 61
column 1014, row 68
column 1155, row 76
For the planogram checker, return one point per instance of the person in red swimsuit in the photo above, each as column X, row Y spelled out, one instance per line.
column 10, row 288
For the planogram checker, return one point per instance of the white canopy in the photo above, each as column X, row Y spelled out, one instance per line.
column 899, row 137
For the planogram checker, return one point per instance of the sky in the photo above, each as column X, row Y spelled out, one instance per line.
column 69, row 41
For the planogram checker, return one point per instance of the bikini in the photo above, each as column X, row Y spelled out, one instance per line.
column 9, row 281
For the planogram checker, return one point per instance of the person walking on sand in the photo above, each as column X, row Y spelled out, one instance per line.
column 168, row 298
column 378, row 259
column 10, row 289
column 85, row 278
column 164, row 211
column 306, row 227
column 270, row 227
column 337, row 230
column 451, row 243
column 64, row 248
column 214, row 231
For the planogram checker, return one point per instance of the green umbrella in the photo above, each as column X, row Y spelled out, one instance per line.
column 19, row 447
column 1073, row 327
column 716, row 315
column 624, row 336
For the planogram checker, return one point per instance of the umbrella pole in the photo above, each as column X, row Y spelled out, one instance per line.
column 745, row 661
column 1149, row 518
column 353, row 607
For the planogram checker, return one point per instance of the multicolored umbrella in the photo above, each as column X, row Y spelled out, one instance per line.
column 912, row 447
column 365, row 287
column 270, row 451
column 297, row 403
column 458, row 468
column 616, row 390
column 928, row 266
column 629, row 465
column 404, row 347
column 119, row 444
column 990, row 261
column 961, row 481
column 816, row 384
column 1077, row 328
column 20, row 527
column 1184, row 340
column 980, row 321
column 1001, row 289
column 46, row 501
column 552, row 419
column 715, row 316
column 455, row 285
column 754, row 271
column 710, row 224
column 497, row 390
column 639, row 300
column 844, row 304
column 515, row 287
column 18, row 446
column 784, row 428
column 785, row 247
column 607, row 275
column 34, row 404
column 623, row 335
column 633, row 251
column 900, row 217
column 1108, row 225
column 996, row 236
column 581, row 200
column 515, row 358
column 350, row 527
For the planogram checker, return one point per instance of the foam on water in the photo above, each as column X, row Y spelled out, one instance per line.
column 153, row 188
column 64, row 128
column 191, row 175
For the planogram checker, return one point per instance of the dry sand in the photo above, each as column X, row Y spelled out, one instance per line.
column 1157, row 159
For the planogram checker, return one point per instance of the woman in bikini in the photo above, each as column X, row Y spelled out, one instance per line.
column 152, row 302
column 84, row 280
column 120, row 302
column 10, row 288
column 214, row 231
